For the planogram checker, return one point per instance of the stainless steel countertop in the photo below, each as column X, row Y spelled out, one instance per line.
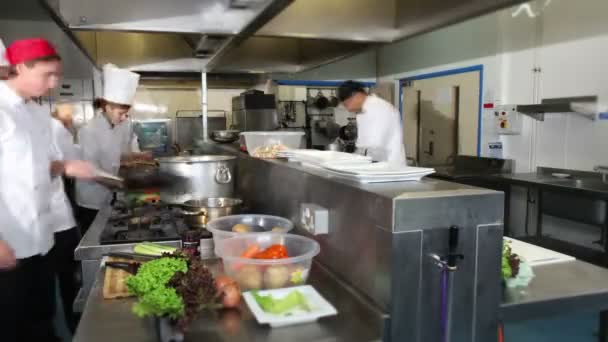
column 589, row 186
column 357, row 320
column 392, row 190
column 558, row 289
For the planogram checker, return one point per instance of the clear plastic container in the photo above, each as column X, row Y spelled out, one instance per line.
column 262, row 144
column 267, row 273
column 222, row 228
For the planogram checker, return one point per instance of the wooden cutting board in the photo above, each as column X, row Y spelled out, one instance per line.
column 114, row 281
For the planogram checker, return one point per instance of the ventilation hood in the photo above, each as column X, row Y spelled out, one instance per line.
column 250, row 35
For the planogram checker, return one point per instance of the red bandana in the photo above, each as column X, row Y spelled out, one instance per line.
column 27, row 49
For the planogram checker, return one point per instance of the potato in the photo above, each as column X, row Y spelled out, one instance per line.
column 249, row 277
column 241, row 228
column 276, row 277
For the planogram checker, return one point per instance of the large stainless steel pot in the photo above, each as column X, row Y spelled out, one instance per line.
column 203, row 177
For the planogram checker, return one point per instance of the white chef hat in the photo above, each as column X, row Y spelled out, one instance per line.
column 119, row 85
column 3, row 61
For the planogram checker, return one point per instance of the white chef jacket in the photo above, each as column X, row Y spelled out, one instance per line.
column 101, row 145
column 27, row 149
column 61, row 210
column 379, row 131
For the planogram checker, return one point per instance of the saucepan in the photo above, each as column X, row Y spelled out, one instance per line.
column 198, row 212
column 225, row 136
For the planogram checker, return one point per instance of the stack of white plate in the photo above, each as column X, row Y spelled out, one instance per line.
column 378, row 172
column 318, row 158
column 355, row 167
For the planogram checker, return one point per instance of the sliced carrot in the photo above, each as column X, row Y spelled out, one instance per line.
column 248, row 253
column 251, row 251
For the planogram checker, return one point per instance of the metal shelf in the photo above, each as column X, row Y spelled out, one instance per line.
column 585, row 106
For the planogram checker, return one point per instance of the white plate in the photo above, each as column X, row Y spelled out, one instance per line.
column 379, row 178
column 377, row 169
column 319, row 307
column 561, row 175
column 535, row 255
column 319, row 157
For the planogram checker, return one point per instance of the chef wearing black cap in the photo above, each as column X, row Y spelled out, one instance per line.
column 379, row 132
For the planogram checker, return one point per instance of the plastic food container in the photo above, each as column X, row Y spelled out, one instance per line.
column 263, row 144
column 221, row 228
column 267, row 273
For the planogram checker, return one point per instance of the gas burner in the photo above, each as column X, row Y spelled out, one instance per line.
column 138, row 235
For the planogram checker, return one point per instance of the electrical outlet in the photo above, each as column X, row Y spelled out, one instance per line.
column 314, row 218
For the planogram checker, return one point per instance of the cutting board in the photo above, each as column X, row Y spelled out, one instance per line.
column 114, row 281
column 535, row 255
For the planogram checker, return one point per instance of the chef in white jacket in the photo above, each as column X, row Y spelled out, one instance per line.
column 106, row 140
column 379, row 132
column 29, row 161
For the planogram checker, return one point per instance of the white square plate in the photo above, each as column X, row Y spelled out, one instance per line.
column 319, row 307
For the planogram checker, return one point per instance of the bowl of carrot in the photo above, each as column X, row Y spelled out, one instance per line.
column 267, row 260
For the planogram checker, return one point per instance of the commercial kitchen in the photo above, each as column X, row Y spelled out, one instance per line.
column 502, row 110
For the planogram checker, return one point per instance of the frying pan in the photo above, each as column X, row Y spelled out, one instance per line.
column 138, row 179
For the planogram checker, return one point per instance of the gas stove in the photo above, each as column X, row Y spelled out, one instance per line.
column 150, row 222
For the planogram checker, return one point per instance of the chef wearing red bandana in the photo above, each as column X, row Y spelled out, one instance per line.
column 29, row 160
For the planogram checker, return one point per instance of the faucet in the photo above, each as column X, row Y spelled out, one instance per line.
column 603, row 169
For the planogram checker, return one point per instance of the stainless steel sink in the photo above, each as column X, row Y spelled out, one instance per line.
column 590, row 184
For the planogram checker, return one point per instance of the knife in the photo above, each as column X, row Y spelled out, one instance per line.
column 132, row 256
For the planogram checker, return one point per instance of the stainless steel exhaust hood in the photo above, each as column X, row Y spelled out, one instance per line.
column 251, row 35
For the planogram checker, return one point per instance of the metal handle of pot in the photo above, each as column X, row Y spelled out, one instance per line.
column 223, row 175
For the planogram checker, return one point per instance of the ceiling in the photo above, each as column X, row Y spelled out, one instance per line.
column 251, row 36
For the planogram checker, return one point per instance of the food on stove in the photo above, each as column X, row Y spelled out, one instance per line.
column 269, row 151
column 273, row 252
column 276, row 276
column 153, row 249
column 294, row 300
column 241, row 228
column 249, row 277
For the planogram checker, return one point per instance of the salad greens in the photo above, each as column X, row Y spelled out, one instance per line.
column 294, row 299
column 506, row 268
column 510, row 263
column 150, row 286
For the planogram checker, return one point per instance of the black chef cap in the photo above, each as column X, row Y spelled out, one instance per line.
column 348, row 89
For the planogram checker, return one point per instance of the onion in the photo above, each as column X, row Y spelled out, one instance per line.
column 221, row 281
column 231, row 296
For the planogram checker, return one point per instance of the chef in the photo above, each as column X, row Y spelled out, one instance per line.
column 67, row 234
column 379, row 132
column 106, row 140
column 29, row 161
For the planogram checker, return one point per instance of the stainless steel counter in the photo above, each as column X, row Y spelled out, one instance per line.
column 387, row 190
column 558, row 289
column 90, row 251
column 586, row 186
column 357, row 320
